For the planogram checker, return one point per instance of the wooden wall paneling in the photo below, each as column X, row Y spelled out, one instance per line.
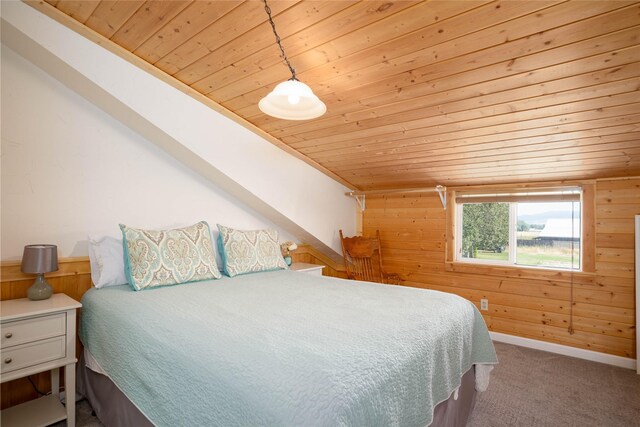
column 613, row 211
column 626, row 185
column 586, row 327
column 110, row 16
column 589, row 330
column 589, row 341
column 527, row 302
column 20, row 390
column 619, row 201
column 614, row 314
column 614, row 241
column 618, row 196
column 615, row 255
column 605, row 327
column 623, row 316
column 14, row 283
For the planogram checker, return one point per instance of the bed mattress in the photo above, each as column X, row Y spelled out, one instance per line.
column 284, row 348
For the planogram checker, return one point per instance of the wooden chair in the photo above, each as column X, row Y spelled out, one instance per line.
column 359, row 257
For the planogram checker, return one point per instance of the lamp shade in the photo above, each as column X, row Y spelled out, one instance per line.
column 39, row 259
column 292, row 100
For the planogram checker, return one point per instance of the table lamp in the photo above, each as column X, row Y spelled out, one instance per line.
column 39, row 259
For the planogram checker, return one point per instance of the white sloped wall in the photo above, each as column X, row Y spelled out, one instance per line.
column 218, row 158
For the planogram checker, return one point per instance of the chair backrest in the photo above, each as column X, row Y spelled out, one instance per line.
column 363, row 258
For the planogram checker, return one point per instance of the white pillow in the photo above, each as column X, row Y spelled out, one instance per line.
column 107, row 261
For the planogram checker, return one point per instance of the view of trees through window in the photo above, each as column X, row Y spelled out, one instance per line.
column 545, row 234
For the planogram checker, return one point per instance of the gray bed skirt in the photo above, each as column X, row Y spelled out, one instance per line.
column 114, row 409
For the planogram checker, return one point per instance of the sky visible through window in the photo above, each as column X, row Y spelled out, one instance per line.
column 544, row 211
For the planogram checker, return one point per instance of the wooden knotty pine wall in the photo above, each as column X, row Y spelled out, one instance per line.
column 413, row 231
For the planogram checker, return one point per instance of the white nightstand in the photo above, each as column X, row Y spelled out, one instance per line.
column 39, row 336
column 304, row 267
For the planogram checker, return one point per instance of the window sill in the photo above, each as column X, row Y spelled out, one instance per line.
column 519, row 272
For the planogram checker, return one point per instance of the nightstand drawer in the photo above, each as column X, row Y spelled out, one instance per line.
column 34, row 353
column 32, row 329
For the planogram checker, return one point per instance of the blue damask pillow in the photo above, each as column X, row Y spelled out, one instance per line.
column 155, row 258
column 249, row 251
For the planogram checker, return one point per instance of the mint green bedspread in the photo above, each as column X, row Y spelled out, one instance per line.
column 284, row 348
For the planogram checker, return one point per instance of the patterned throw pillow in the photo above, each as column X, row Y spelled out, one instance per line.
column 168, row 257
column 249, row 251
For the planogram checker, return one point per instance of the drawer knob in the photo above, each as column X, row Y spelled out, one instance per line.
column 7, row 360
column 8, row 335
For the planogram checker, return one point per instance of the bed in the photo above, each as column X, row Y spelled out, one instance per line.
column 283, row 348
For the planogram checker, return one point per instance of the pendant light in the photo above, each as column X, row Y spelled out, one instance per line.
column 292, row 99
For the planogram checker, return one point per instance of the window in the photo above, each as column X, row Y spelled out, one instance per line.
column 535, row 229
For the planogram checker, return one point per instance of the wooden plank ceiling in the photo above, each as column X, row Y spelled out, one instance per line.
column 417, row 93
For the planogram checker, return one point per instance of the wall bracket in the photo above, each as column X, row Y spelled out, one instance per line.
column 360, row 195
column 442, row 192
column 361, row 199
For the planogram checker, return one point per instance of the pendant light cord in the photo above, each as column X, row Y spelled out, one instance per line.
column 275, row 33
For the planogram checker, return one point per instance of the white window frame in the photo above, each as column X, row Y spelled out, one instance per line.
column 513, row 223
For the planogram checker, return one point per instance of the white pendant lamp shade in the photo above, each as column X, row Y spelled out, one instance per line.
column 292, row 100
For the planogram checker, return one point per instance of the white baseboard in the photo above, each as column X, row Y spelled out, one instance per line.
column 609, row 359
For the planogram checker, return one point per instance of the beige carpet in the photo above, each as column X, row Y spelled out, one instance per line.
column 536, row 388
column 531, row 388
